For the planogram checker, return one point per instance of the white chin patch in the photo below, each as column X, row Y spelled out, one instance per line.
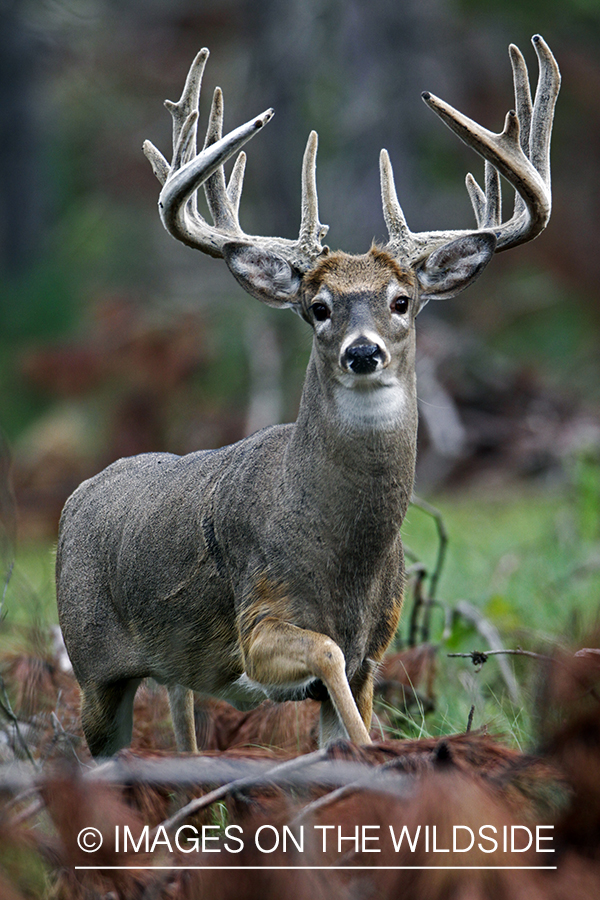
column 377, row 408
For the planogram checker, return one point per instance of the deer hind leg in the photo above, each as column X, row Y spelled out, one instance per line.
column 107, row 715
column 181, row 701
column 362, row 689
column 279, row 653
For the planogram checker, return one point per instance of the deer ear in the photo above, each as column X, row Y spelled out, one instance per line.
column 451, row 268
column 263, row 273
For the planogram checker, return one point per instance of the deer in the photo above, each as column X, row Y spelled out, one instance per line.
column 273, row 567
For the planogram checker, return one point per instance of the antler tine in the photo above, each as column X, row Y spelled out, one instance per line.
column 542, row 118
column 236, row 182
column 178, row 219
column 189, row 169
column 189, row 100
column 183, row 150
column 528, row 172
column 160, row 166
column 311, row 230
column 523, row 107
column 223, row 212
column 504, row 152
column 493, row 194
column 477, row 198
column 398, row 230
column 184, row 114
column 487, row 205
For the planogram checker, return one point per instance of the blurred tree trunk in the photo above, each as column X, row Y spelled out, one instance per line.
column 20, row 189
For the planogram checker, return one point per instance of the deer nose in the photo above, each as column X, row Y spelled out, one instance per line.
column 362, row 358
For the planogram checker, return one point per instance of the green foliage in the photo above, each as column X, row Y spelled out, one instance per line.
column 586, row 483
column 219, row 815
column 30, row 599
column 25, row 869
column 530, row 562
column 520, row 551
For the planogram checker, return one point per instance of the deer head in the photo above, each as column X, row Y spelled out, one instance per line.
column 362, row 309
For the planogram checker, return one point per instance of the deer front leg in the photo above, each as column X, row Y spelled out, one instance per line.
column 279, row 653
column 330, row 727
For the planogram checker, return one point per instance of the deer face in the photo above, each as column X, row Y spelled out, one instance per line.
column 362, row 311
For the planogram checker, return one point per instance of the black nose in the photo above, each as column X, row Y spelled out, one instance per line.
column 362, row 358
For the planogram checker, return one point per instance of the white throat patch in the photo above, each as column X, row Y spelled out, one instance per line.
column 375, row 407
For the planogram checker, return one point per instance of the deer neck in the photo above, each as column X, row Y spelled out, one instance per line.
column 343, row 457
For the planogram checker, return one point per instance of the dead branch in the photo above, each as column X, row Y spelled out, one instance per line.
column 425, row 600
column 368, row 783
column 436, row 515
column 239, row 784
column 7, row 710
column 491, row 634
column 419, row 571
column 470, row 719
column 479, row 657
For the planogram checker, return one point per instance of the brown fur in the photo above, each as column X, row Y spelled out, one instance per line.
column 344, row 273
column 269, row 599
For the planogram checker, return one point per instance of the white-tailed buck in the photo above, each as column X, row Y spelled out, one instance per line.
column 274, row 567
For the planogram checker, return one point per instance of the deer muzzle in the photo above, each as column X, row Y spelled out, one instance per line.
column 362, row 358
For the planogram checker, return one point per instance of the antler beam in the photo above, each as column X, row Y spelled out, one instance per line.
column 521, row 152
column 191, row 169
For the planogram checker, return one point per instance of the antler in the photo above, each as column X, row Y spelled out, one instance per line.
column 177, row 203
column 521, row 152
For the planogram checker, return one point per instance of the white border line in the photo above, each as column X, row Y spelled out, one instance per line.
column 324, row 868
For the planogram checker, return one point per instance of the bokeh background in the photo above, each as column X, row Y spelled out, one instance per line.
column 114, row 339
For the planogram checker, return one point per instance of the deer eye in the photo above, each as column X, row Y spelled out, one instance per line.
column 320, row 311
column 399, row 305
